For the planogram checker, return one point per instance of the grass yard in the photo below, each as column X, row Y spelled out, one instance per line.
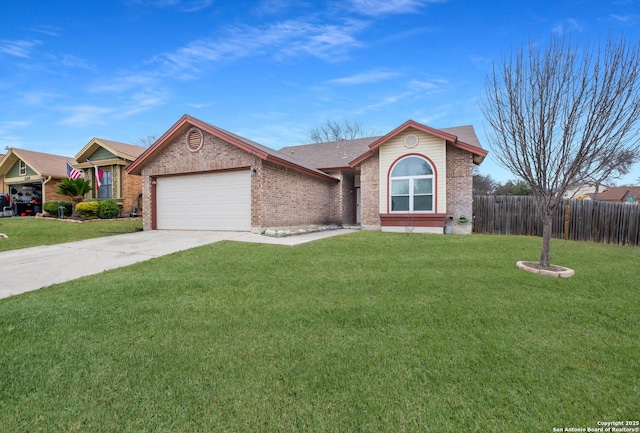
column 30, row 232
column 369, row 332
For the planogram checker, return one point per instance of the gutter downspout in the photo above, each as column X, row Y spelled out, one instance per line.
column 44, row 191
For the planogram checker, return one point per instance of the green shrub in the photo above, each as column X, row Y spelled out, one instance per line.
column 52, row 207
column 88, row 209
column 108, row 209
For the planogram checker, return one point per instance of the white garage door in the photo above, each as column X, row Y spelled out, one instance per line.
column 211, row 201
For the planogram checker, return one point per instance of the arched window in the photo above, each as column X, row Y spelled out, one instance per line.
column 411, row 184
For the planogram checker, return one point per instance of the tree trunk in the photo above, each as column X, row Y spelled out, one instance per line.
column 74, row 202
column 597, row 191
column 547, row 224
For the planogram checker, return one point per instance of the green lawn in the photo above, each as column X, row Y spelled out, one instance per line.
column 30, row 232
column 369, row 332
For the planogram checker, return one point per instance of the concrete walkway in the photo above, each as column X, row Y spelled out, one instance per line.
column 30, row 269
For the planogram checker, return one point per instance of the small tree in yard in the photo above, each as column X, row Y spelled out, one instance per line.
column 557, row 113
column 75, row 189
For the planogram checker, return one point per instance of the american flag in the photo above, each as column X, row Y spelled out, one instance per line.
column 72, row 173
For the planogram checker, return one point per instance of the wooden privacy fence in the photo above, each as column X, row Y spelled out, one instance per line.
column 580, row 220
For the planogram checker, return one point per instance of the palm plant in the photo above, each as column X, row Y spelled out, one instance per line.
column 75, row 189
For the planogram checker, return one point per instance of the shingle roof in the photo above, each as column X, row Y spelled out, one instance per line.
column 267, row 150
column 45, row 164
column 338, row 154
column 124, row 148
column 617, row 193
column 124, row 151
column 333, row 154
column 318, row 158
column 263, row 152
column 466, row 134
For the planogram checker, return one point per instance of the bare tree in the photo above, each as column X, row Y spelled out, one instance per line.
column 483, row 184
column 613, row 167
column 557, row 111
column 336, row 131
column 146, row 141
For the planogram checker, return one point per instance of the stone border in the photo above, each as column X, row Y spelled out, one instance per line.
column 281, row 233
column 562, row 272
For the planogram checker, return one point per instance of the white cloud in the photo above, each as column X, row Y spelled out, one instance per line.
column 156, row 3
column 567, row 26
column 140, row 102
column 84, row 115
column 20, row 49
column 625, row 19
column 270, row 7
column 89, row 115
column 199, row 105
column 188, row 6
column 387, row 7
column 46, row 30
column 10, row 125
column 72, row 62
column 365, row 77
column 431, row 85
column 37, row 98
column 284, row 39
column 122, row 84
column 196, row 6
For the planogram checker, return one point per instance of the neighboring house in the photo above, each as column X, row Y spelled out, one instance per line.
column 620, row 194
column 198, row 176
column 112, row 158
column 584, row 191
column 30, row 178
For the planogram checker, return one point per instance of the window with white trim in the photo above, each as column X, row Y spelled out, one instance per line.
column 106, row 183
column 411, row 185
column 23, row 168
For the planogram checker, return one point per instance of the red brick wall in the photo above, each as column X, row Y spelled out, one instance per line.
column 290, row 198
column 459, row 186
column 370, row 192
column 131, row 187
column 49, row 192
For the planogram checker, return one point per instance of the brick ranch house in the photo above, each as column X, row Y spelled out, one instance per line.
column 112, row 157
column 30, row 178
column 200, row 177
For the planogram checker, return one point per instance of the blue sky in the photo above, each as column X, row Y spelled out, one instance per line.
column 268, row 70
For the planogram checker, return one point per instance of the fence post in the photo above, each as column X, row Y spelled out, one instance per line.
column 566, row 220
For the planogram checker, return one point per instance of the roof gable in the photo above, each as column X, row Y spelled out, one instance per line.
column 263, row 152
column 127, row 152
column 14, row 171
column 451, row 136
column 43, row 164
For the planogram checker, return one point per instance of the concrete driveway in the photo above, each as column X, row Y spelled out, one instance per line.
column 29, row 269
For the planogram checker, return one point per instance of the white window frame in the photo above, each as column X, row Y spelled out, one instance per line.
column 412, row 179
column 23, row 168
column 106, row 189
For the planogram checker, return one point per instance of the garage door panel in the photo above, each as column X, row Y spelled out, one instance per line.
column 211, row 201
